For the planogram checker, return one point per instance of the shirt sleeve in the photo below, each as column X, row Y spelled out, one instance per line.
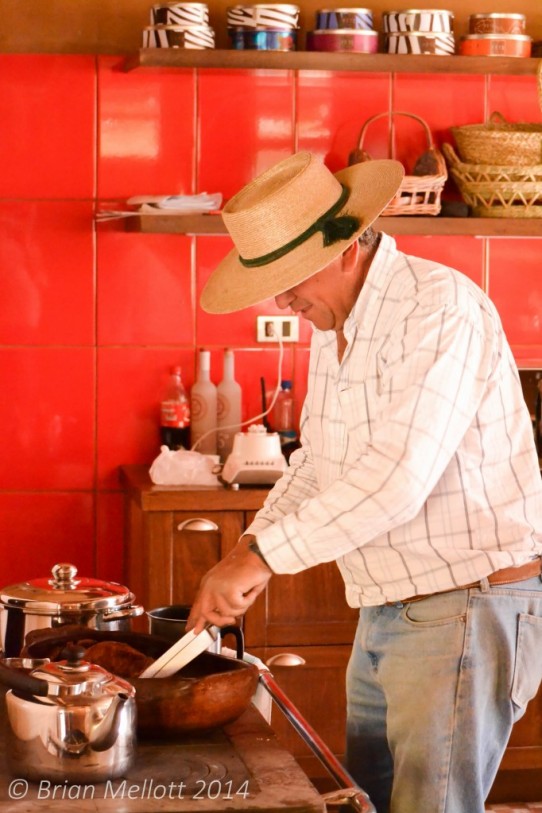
column 434, row 372
column 296, row 485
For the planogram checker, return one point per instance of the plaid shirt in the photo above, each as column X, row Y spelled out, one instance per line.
column 418, row 471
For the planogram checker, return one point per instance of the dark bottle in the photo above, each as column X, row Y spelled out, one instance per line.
column 175, row 414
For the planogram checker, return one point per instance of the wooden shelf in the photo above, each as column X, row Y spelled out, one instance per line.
column 473, row 226
column 320, row 61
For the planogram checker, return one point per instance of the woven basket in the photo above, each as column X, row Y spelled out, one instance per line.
column 499, row 142
column 419, row 193
column 497, row 190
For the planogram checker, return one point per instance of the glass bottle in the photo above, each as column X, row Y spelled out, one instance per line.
column 203, row 398
column 229, row 398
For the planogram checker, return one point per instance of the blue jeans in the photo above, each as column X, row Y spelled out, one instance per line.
column 433, row 689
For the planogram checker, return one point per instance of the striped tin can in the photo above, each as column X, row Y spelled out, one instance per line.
column 277, row 16
column 185, row 14
column 262, row 39
column 497, row 23
column 356, row 18
column 422, row 20
column 343, row 39
column 178, row 36
column 420, row 42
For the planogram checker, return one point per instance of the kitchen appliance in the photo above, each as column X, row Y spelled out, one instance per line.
column 62, row 599
column 70, row 721
column 256, row 458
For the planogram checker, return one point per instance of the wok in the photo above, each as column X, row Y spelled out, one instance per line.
column 207, row 693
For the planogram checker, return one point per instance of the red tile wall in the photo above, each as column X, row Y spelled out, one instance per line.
column 92, row 317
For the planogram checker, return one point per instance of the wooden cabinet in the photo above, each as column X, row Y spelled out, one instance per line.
column 301, row 625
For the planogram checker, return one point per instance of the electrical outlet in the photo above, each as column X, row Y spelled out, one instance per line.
column 269, row 328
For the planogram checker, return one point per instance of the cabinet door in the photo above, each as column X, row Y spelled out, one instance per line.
column 200, row 539
column 170, row 551
column 307, row 608
column 315, row 684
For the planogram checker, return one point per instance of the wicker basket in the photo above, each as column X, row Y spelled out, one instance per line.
column 499, row 142
column 419, row 193
column 497, row 190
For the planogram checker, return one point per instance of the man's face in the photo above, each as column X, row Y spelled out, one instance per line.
column 321, row 298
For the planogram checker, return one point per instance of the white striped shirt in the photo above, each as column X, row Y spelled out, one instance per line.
column 418, row 470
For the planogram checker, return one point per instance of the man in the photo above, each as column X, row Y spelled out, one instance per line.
column 417, row 473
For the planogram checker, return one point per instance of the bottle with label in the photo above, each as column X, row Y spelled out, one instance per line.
column 175, row 413
column 203, row 398
column 229, row 407
column 283, row 419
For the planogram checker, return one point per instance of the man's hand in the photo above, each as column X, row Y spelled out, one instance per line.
column 229, row 588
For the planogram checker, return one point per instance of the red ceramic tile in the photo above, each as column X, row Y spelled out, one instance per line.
column 146, row 131
column 236, row 328
column 301, row 371
column 47, row 253
column 332, row 108
column 47, row 105
column 460, row 101
column 246, row 125
column 514, row 287
column 47, row 418
column 516, row 97
column 145, row 294
column 109, row 537
column 40, row 530
column 130, row 385
column 466, row 254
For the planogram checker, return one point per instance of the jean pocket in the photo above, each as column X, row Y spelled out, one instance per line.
column 528, row 667
column 437, row 610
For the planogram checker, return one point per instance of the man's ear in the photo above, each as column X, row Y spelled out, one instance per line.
column 350, row 256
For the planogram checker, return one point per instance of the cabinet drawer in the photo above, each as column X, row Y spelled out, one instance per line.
column 316, row 686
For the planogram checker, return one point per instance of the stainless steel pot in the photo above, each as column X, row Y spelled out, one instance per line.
column 70, row 721
column 59, row 600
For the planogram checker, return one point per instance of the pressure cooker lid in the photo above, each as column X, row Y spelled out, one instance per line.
column 64, row 591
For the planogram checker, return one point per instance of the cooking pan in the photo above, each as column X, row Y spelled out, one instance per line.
column 207, row 693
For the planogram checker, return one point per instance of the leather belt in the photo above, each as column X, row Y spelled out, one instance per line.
column 507, row 575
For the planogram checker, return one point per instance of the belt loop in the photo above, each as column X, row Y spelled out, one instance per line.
column 484, row 585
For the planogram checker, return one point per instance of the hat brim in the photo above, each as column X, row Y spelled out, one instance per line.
column 232, row 286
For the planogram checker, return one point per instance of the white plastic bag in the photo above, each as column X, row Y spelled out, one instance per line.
column 183, row 468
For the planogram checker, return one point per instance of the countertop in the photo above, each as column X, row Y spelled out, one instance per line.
column 239, row 767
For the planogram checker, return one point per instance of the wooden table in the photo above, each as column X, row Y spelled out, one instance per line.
column 239, row 767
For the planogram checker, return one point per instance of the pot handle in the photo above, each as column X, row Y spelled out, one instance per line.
column 21, row 682
column 123, row 612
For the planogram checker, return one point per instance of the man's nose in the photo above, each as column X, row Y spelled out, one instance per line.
column 284, row 300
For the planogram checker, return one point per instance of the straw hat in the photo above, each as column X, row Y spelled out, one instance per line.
column 291, row 222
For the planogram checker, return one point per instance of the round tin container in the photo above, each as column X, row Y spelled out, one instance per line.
column 262, row 40
column 497, row 24
column 178, row 36
column 495, row 45
column 420, row 42
column 186, row 14
column 412, row 19
column 363, row 42
column 278, row 16
column 361, row 19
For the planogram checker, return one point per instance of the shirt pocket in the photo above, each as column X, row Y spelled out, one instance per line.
column 528, row 667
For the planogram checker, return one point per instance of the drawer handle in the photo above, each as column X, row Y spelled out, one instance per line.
column 286, row 659
column 197, row 524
